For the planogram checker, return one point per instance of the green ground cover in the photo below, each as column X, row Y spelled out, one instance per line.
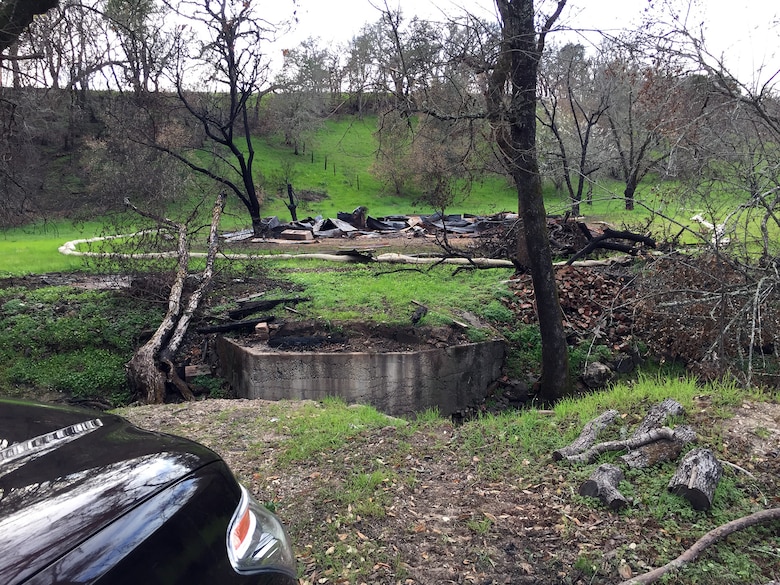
column 336, row 164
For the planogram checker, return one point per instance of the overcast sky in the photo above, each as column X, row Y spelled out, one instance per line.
column 744, row 31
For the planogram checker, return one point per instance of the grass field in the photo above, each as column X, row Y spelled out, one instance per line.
column 337, row 164
column 33, row 249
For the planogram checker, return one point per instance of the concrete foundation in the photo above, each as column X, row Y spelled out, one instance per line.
column 396, row 383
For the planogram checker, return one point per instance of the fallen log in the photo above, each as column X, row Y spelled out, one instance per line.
column 697, row 477
column 236, row 326
column 602, row 484
column 713, row 536
column 663, row 449
column 337, row 257
column 481, row 262
column 248, row 308
column 587, row 436
column 658, row 415
column 593, row 452
column 610, row 234
column 660, row 450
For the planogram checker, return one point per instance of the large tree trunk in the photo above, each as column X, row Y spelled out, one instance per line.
column 16, row 15
column 523, row 50
column 151, row 368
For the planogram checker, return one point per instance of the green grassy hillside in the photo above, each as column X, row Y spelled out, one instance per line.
column 332, row 173
column 337, row 163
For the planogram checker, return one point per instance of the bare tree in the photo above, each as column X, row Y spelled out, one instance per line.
column 393, row 151
column 745, row 130
column 440, row 161
column 152, row 368
column 642, row 111
column 220, row 74
column 297, row 111
column 504, row 68
column 571, row 110
column 730, row 299
column 144, row 47
column 362, row 68
column 76, row 42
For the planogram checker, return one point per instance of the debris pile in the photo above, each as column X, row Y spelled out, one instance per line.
column 595, row 301
column 358, row 223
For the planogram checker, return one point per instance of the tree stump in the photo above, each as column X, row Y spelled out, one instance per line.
column 696, row 478
column 603, row 485
column 587, row 436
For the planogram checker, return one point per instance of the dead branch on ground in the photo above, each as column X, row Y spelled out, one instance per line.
column 713, row 536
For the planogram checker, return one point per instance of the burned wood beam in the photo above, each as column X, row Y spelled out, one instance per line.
column 248, row 308
column 297, row 341
column 237, row 326
column 610, row 234
column 585, row 230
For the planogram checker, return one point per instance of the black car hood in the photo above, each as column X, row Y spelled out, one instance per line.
column 66, row 473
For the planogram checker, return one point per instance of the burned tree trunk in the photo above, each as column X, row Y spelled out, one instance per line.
column 151, row 368
column 236, row 325
column 603, row 485
column 697, row 477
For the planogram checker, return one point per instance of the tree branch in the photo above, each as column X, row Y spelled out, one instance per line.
column 680, row 433
column 713, row 536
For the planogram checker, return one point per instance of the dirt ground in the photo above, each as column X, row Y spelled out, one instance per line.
column 442, row 523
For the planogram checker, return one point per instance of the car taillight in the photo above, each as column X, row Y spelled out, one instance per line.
column 256, row 540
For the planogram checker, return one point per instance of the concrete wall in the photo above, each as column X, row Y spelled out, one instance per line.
column 396, row 383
